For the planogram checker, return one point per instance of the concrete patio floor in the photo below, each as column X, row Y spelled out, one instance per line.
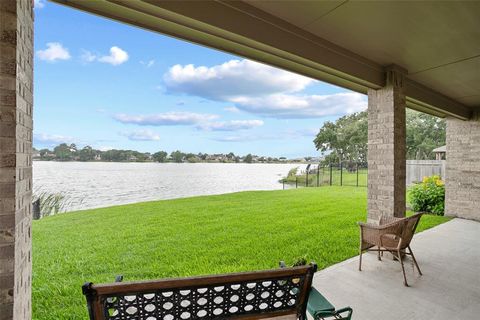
column 449, row 257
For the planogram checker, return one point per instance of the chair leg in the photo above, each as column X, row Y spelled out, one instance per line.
column 414, row 260
column 403, row 268
column 360, row 260
column 378, row 254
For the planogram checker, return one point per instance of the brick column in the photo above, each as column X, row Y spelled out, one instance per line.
column 462, row 182
column 386, row 147
column 16, row 101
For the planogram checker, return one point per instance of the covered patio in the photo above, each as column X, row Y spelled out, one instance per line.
column 421, row 55
column 449, row 256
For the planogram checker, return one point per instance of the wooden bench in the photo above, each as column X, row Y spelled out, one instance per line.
column 280, row 294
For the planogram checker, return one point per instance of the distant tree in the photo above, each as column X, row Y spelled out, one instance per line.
column 190, row 157
column 231, row 156
column 160, row 156
column 138, row 156
column 86, row 154
column 63, row 152
column 44, row 153
column 248, row 158
column 177, row 156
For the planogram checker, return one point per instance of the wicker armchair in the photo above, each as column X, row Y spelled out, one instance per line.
column 391, row 234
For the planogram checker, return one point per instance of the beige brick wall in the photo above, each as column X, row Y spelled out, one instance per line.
column 386, row 148
column 16, row 102
column 462, row 198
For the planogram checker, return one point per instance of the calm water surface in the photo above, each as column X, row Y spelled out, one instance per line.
column 100, row 184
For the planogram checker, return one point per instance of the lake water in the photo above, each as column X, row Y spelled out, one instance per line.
column 100, row 184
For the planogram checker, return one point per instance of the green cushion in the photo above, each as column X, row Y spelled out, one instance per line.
column 318, row 303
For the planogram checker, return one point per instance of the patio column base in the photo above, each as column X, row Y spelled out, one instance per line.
column 386, row 147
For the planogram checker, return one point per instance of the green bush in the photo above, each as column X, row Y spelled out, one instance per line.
column 428, row 196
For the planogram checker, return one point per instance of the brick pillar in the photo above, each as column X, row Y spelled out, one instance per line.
column 462, row 183
column 386, row 147
column 16, row 101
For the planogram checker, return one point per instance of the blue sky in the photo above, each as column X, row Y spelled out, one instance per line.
column 111, row 85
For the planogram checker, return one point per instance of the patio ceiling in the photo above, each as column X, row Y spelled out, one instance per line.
column 345, row 43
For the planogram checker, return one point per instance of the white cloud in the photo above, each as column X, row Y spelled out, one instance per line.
column 87, row 56
column 306, row 106
column 233, row 125
column 281, row 135
column 232, row 109
column 141, row 135
column 166, row 119
column 116, row 57
column 51, row 139
column 148, row 63
column 55, row 51
column 39, row 4
column 298, row 133
column 233, row 79
column 260, row 89
column 248, row 137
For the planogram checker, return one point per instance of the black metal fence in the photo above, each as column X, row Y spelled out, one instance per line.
column 341, row 174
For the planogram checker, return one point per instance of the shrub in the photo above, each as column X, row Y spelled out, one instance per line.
column 291, row 176
column 428, row 196
column 47, row 204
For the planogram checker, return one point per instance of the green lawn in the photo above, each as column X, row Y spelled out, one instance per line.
column 201, row 235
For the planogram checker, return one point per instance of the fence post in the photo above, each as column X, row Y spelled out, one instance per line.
column 296, row 182
column 306, row 181
column 357, row 174
column 283, row 183
column 318, row 174
column 330, row 174
column 341, row 173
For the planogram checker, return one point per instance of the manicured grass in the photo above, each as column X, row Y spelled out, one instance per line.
column 192, row 236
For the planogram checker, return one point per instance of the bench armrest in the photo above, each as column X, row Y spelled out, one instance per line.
column 347, row 310
column 319, row 307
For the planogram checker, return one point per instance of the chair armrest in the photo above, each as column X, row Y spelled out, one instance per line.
column 343, row 310
column 380, row 226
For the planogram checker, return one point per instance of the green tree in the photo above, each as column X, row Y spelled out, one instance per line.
column 248, row 158
column 346, row 138
column 86, row 154
column 424, row 133
column 45, row 154
column 177, row 156
column 231, row 156
column 192, row 158
column 160, row 156
column 63, row 152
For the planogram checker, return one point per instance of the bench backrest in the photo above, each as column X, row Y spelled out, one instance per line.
column 279, row 293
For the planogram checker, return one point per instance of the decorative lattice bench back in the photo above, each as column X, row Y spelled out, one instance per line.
column 281, row 293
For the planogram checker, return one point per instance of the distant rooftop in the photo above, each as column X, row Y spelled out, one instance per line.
column 440, row 149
